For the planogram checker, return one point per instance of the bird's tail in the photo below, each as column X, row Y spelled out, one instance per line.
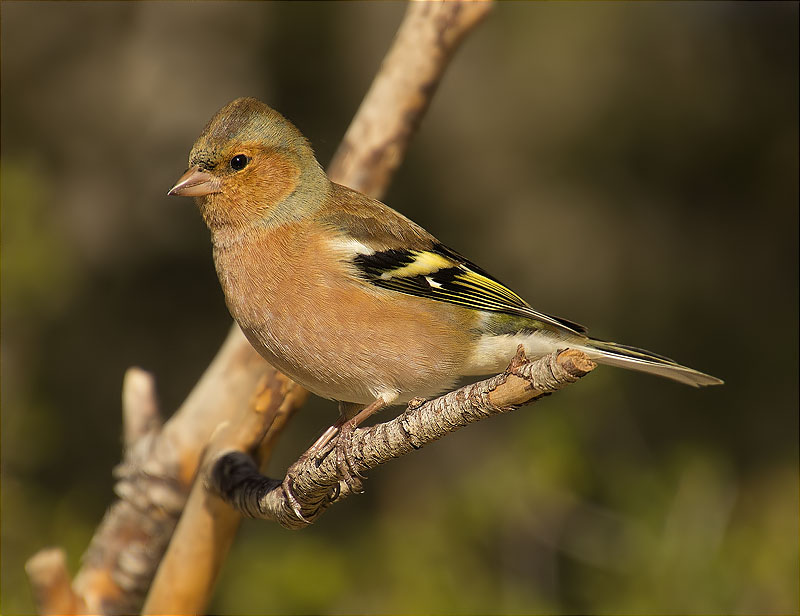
column 623, row 356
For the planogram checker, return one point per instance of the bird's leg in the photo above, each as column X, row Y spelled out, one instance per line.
column 350, row 416
column 320, row 446
column 344, row 464
column 317, row 450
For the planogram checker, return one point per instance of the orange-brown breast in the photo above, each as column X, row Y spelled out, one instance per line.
column 338, row 336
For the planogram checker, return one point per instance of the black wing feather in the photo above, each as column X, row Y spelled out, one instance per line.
column 446, row 276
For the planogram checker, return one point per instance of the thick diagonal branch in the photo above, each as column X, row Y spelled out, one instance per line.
column 374, row 145
column 162, row 462
column 390, row 113
column 316, row 485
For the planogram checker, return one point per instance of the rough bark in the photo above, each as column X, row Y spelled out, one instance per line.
column 316, row 484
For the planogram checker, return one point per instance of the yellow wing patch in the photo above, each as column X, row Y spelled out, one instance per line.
column 443, row 275
column 423, row 263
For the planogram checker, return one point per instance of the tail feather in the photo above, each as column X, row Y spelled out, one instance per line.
column 623, row 356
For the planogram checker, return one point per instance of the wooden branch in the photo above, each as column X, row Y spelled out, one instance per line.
column 316, row 484
column 140, row 414
column 185, row 578
column 47, row 572
column 390, row 113
column 154, row 479
column 160, row 463
column 156, row 475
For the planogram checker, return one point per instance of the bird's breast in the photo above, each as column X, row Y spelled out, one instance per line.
column 307, row 313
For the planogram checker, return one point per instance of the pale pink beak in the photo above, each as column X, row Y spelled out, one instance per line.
column 195, row 183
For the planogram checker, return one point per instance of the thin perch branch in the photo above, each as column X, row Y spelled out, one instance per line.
column 316, row 484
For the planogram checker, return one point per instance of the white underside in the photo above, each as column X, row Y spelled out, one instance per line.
column 493, row 353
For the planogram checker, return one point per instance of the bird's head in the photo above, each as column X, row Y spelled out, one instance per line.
column 246, row 162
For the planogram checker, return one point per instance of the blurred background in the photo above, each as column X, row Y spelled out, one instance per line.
column 632, row 167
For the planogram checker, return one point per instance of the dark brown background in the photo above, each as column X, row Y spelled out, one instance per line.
column 633, row 167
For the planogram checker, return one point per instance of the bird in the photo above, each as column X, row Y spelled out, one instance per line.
column 347, row 296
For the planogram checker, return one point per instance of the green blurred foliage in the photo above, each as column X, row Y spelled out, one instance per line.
column 630, row 166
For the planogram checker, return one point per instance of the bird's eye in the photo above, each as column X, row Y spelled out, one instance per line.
column 239, row 162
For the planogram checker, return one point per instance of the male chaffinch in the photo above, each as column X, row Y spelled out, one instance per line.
column 348, row 297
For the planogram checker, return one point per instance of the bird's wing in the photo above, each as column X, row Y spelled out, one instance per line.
column 392, row 252
column 442, row 274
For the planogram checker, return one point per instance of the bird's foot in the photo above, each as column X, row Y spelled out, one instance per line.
column 323, row 446
column 288, row 488
column 347, row 471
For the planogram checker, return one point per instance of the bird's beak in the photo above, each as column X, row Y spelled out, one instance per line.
column 195, row 183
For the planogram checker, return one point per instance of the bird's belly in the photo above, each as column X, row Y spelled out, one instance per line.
column 358, row 347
